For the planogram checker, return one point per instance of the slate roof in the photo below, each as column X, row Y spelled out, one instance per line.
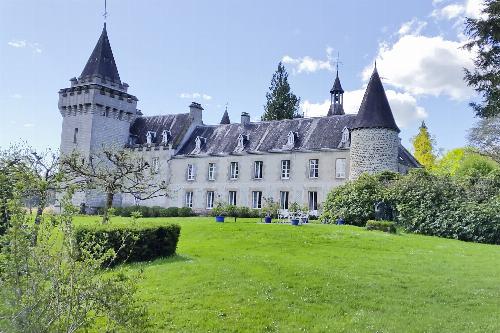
column 177, row 124
column 101, row 62
column 406, row 158
column 225, row 118
column 375, row 111
column 337, row 87
column 267, row 136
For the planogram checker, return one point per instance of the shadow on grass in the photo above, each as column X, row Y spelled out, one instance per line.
column 161, row 261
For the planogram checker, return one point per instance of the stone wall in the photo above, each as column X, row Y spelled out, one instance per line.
column 373, row 150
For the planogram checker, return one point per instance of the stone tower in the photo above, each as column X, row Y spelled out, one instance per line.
column 97, row 110
column 336, row 98
column 374, row 135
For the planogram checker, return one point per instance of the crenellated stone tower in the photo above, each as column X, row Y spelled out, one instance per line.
column 97, row 110
column 374, row 135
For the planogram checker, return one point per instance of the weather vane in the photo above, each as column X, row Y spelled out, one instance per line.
column 105, row 11
column 337, row 62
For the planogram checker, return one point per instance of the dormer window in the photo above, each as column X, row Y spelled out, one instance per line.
column 150, row 136
column 290, row 143
column 165, row 136
column 199, row 141
column 242, row 139
column 344, row 141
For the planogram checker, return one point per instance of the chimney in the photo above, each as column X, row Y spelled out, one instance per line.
column 245, row 118
column 195, row 112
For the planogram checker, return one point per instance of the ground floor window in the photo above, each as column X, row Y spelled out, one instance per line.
column 189, row 199
column 284, row 199
column 313, row 200
column 256, row 199
column 232, row 198
column 210, row 199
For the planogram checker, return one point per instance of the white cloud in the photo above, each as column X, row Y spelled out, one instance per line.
column 308, row 64
column 469, row 8
column 17, row 43
column 412, row 27
column 28, row 125
column 195, row 96
column 404, row 106
column 424, row 65
column 16, row 96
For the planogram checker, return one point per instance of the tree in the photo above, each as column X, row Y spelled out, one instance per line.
column 423, row 147
column 485, row 136
column 281, row 102
column 484, row 35
column 113, row 172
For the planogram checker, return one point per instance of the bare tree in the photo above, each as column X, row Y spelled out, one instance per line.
column 485, row 136
column 115, row 172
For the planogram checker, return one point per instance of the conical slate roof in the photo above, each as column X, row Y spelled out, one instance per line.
column 225, row 119
column 101, row 61
column 337, row 87
column 375, row 111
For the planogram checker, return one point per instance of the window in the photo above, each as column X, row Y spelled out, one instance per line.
column 285, row 169
column 340, row 168
column 233, row 171
column 189, row 199
column 211, row 171
column 190, row 172
column 257, row 169
column 210, row 199
column 284, row 199
column 155, row 165
column 232, row 198
column 314, row 168
column 256, row 199
column 75, row 136
column 313, row 200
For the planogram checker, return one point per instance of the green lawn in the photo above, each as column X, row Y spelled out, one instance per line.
column 249, row 277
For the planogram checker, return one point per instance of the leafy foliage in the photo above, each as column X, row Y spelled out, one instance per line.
column 484, row 35
column 130, row 243
column 485, row 137
column 154, row 211
column 423, row 146
column 281, row 102
column 386, row 226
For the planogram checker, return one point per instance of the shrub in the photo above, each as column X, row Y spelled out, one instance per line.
column 130, row 243
column 355, row 200
column 185, row 211
column 155, row 211
column 387, row 226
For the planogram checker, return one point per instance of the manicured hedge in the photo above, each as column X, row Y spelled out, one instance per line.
column 131, row 243
column 386, row 226
column 154, row 211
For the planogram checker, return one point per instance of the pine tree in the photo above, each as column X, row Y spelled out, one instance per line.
column 423, row 145
column 281, row 102
column 484, row 34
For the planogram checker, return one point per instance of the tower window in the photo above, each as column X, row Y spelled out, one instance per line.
column 75, row 136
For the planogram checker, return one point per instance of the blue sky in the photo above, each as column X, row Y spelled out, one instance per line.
column 218, row 52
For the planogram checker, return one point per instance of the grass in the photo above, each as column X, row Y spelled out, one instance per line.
column 249, row 277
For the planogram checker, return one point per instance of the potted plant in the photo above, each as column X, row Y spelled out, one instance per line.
column 295, row 211
column 270, row 208
column 219, row 211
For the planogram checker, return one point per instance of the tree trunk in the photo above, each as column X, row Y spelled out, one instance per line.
column 41, row 206
column 109, row 204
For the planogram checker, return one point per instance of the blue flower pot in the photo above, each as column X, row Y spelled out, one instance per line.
column 219, row 219
column 295, row 221
column 267, row 219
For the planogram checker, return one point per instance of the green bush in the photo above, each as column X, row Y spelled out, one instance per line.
column 155, row 211
column 355, row 201
column 131, row 243
column 185, row 211
column 387, row 226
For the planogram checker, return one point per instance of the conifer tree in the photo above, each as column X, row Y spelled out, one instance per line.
column 484, row 35
column 281, row 102
column 423, row 145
